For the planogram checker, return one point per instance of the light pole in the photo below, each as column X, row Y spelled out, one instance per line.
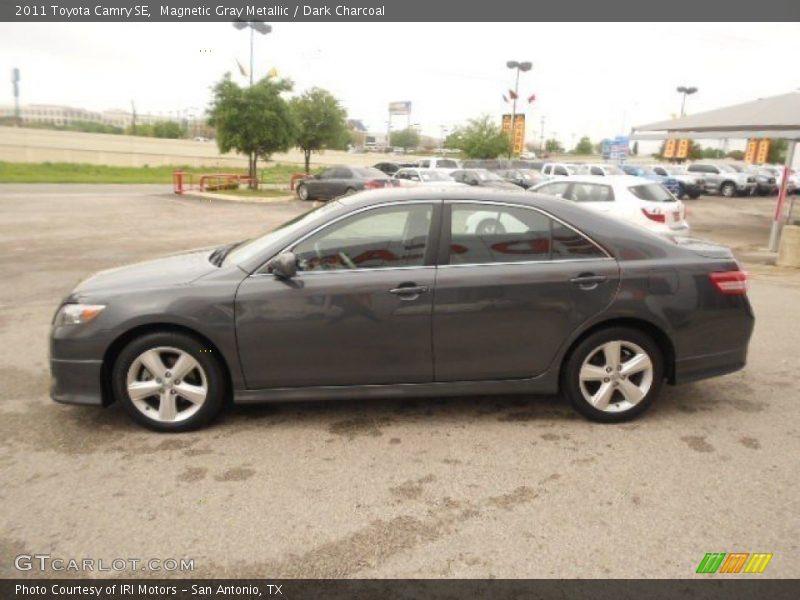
column 686, row 91
column 15, row 83
column 541, row 138
column 519, row 66
column 263, row 29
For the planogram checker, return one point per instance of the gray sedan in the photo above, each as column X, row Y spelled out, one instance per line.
column 392, row 293
column 341, row 181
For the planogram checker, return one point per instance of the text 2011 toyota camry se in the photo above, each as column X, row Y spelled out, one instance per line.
column 406, row 293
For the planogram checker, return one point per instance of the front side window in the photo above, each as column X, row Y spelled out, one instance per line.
column 392, row 236
column 485, row 234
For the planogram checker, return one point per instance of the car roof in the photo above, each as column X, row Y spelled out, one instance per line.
column 604, row 179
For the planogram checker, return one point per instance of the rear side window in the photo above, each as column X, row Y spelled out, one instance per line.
column 652, row 192
column 554, row 189
column 486, row 234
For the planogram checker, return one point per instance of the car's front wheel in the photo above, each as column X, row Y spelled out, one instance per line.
column 728, row 190
column 302, row 192
column 169, row 382
column 614, row 374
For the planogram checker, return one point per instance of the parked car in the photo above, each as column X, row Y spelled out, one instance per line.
column 523, row 178
column 645, row 203
column 438, row 163
column 556, row 170
column 792, row 184
column 362, row 297
column 482, row 178
column 341, row 181
column 647, row 173
column 766, row 181
column 689, row 184
column 723, row 179
column 527, row 155
column 602, row 169
column 415, row 177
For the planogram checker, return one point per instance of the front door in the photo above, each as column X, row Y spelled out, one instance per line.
column 358, row 312
column 514, row 287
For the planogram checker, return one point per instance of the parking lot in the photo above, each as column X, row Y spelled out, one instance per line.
column 465, row 487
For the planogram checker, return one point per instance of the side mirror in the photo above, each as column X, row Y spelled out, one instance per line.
column 283, row 266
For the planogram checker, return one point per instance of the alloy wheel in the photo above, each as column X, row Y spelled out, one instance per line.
column 166, row 384
column 616, row 376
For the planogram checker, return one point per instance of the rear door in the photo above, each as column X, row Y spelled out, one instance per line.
column 512, row 286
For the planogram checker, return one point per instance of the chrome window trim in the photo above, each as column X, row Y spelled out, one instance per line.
column 526, row 262
column 541, row 211
column 392, row 203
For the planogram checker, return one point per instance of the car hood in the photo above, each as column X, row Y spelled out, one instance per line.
column 505, row 185
column 178, row 269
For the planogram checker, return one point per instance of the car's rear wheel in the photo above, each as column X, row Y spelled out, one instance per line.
column 614, row 374
column 169, row 382
column 681, row 192
column 302, row 192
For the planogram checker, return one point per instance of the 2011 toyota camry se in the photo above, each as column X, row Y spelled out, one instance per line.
column 407, row 292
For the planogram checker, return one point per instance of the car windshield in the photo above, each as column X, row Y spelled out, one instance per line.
column 485, row 175
column 652, row 192
column 433, row 176
column 673, row 170
column 255, row 246
column 446, row 163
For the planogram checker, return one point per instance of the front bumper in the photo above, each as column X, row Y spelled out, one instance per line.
column 76, row 381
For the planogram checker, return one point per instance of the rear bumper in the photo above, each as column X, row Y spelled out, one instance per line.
column 709, row 365
column 76, row 381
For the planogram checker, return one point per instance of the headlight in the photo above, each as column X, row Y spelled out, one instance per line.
column 75, row 314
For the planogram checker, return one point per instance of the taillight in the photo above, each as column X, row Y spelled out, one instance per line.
column 730, row 283
column 373, row 184
column 655, row 215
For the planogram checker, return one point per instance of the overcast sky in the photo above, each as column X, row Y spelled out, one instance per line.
column 591, row 79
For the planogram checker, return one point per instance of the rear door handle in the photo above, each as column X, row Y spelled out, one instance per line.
column 409, row 290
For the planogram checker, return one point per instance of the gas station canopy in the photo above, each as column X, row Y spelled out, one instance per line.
column 777, row 117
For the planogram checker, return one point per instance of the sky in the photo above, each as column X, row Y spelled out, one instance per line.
column 595, row 79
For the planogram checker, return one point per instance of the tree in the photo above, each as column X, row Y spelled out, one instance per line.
column 320, row 123
column 255, row 120
column 481, row 138
column 777, row 152
column 584, row 146
column 735, row 155
column 404, row 138
column 553, row 145
column 168, row 129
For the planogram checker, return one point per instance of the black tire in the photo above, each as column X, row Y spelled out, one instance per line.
column 211, row 367
column 695, row 195
column 681, row 192
column 571, row 384
column 302, row 192
column 728, row 190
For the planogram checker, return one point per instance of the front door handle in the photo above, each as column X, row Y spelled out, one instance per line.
column 410, row 291
column 588, row 281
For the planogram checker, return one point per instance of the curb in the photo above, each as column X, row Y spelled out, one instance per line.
column 245, row 199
